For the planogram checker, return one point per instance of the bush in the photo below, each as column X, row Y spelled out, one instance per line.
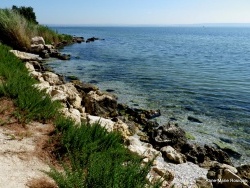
column 26, row 12
column 96, row 158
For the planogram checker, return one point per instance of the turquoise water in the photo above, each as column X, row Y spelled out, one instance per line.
column 199, row 72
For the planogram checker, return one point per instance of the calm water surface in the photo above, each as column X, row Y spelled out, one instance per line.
column 198, row 72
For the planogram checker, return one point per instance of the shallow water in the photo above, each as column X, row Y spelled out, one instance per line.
column 198, row 72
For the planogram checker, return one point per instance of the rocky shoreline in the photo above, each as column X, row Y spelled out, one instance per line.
column 175, row 161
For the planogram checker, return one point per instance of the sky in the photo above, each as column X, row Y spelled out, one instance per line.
column 136, row 12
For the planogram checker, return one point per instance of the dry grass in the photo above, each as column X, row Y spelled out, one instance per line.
column 41, row 183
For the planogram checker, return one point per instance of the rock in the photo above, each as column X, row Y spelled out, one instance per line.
column 83, row 87
column 36, row 48
column 143, row 149
column 92, row 39
column 169, row 134
column 228, row 149
column 100, row 104
column 29, row 66
column 63, row 56
column 194, row 153
column 48, row 47
column 52, row 78
column 37, row 40
column 140, row 116
column 72, row 113
column 198, row 154
column 203, row 183
column 122, row 128
column 67, row 92
column 78, row 39
column 172, row 155
column 26, row 56
column 244, row 172
column 193, row 119
column 38, row 67
column 44, row 54
column 106, row 123
column 158, row 174
column 222, row 176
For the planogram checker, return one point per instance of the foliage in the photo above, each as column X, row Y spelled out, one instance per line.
column 18, row 85
column 17, row 32
column 96, row 158
column 26, row 12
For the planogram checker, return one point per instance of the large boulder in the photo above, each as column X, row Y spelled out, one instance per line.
column 169, row 134
column 38, row 40
column 225, row 177
column 84, row 88
column 145, row 150
column 26, row 56
column 106, row 123
column 172, row 155
column 101, row 104
column 36, row 48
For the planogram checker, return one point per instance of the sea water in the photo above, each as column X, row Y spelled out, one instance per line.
column 197, row 72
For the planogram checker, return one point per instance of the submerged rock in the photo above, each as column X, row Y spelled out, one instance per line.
column 193, row 119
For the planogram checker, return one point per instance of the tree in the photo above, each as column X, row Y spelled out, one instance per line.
column 27, row 12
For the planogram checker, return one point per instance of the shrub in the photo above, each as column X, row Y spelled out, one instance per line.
column 26, row 12
column 96, row 158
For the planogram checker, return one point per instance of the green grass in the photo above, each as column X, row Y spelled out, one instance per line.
column 17, row 32
column 18, row 85
column 96, row 158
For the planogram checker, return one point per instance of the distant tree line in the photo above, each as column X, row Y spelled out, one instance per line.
column 27, row 12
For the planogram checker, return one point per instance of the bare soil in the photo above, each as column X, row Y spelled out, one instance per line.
column 25, row 152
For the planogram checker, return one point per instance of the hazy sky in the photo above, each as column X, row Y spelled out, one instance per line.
column 134, row 12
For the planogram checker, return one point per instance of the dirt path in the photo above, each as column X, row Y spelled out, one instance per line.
column 21, row 151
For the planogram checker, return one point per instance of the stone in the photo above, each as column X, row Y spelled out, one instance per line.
column 72, row 113
column 228, row 148
column 172, row 155
column 145, row 150
column 63, row 56
column 244, row 172
column 37, row 40
column 106, row 123
column 84, row 87
column 100, row 104
column 203, row 183
column 36, row 48
column 26, row 56
column 222, row 176
column 193, row 119
column 122, row 128
column 29, row 66
column 52, row 78
column 169, row 134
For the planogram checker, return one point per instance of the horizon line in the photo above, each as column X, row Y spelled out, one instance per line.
column 155, row 25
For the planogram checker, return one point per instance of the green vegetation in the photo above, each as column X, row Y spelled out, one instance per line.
column 18, row 85
column 189, row 136
column 17, row 32
column 96, row 158
column 91, row 157
column 26, row 12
